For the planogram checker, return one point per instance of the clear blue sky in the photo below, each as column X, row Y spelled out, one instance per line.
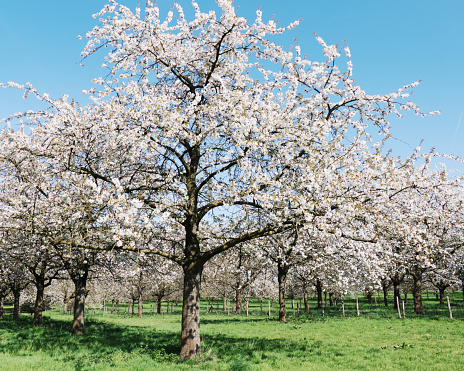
column 392, row 43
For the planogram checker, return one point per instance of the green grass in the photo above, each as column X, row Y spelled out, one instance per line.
column 375, row 340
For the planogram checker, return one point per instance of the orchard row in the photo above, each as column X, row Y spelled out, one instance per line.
column 208, row 150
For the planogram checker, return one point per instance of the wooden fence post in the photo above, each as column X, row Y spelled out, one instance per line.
column 343, row 308
column 449, row 307
column 398, row 306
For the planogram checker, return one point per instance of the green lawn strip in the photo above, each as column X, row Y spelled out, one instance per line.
column 375, row 340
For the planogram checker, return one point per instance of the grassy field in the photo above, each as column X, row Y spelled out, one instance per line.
column 375, row 340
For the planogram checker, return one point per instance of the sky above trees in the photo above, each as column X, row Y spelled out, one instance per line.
column 392, row 44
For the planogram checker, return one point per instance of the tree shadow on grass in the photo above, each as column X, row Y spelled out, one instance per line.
column 235, row 319
column 107, row 343
column 241, row 353
column 101, row 342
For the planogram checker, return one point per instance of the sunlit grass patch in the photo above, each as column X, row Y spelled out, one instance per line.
column 377, row 339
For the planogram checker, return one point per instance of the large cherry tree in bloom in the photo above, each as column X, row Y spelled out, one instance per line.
column 210, row 135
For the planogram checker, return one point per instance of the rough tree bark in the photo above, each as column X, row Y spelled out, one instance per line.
column 159, row 301
column 16, row 297
column 320, row 303
column 417, row 290
column 39, row 301
column 306, row 302
column 190, row 338
column 80, row 293
column 238, row 301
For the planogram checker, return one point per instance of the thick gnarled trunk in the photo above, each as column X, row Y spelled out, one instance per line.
column 190, row 338
column 417, row 291
column 38, row 306
column 79, row 305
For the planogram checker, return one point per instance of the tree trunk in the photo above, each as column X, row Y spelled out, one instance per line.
column 282, row 271
column 38, row 306
column 112, row 306
column 190, row 337
column 320, row 303
column 396, row 292
column 306, row 302
column 369, row 297
column 224, row 304
column 158, row 304
column 331, row 300
column 140, row 307
column 442, row 294
column 462, row 288
column 16, row 295
column 442, row 286
column 385, row 296
column 79, row 304
column 238, row 301
column 417, row 291
column 2, row 298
